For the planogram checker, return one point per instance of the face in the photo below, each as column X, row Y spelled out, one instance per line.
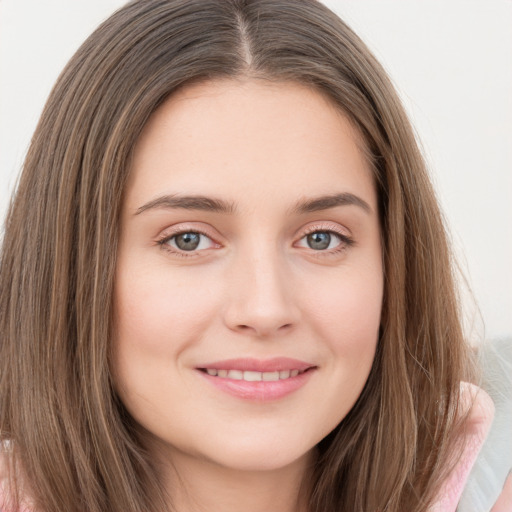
column 249, row 280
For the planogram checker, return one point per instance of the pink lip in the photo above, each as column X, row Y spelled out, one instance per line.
column 260, row 391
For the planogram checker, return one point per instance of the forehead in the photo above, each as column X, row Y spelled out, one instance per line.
column 262, row 136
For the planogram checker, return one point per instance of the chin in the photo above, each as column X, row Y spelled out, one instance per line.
column 260, row 455
column 258, row 462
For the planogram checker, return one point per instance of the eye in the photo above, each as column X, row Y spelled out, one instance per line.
column 324, row 240
column 320, row 240
column 188, row 241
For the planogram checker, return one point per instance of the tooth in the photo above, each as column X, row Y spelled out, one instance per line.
column 252, row 376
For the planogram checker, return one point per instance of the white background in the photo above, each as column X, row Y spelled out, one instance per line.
column 451, row 61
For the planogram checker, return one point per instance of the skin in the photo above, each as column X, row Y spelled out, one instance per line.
column 256, row 286
column 504, row 503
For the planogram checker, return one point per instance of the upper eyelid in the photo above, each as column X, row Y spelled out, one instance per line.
column 192, row 227
column 330, row 226
column 185, row 227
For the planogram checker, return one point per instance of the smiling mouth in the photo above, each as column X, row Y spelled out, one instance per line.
column 258, row 380
column 253, row 376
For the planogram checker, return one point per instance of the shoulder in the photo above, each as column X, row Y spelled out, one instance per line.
column 5, row 501
column 479, row 407
column 3, row 478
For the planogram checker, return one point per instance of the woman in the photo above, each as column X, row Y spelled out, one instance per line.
column 225, row 282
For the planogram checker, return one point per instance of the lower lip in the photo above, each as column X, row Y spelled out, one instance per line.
column 261, row 391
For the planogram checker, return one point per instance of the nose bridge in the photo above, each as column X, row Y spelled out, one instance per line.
column 261, row 300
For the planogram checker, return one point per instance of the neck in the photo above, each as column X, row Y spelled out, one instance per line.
column 198, row 485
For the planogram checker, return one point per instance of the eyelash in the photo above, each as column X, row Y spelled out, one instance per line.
column 345, row 241
column 176, row 252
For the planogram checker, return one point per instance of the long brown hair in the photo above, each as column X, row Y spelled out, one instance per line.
column 69, row 435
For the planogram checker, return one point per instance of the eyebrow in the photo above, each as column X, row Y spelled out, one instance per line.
column 210, row 204
column 175, row 201
column 331, row 201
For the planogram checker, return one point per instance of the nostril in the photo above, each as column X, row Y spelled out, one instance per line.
column 263, row 331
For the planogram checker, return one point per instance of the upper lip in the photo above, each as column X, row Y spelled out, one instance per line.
column 259, row 365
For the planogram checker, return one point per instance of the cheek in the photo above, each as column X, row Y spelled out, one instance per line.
column 348, row 310
column 158, row 317
column 347, row 316
column 159, row 314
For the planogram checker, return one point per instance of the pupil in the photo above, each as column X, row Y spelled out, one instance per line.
column 188, row 241
column 319, row 240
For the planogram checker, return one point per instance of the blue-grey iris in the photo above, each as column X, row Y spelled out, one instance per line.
column 187, row 241
column 319, row 240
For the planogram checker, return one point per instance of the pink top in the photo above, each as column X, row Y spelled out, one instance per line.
column 479, row 424
column 480, row 420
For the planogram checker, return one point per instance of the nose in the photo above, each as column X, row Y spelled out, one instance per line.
column 261, row 300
